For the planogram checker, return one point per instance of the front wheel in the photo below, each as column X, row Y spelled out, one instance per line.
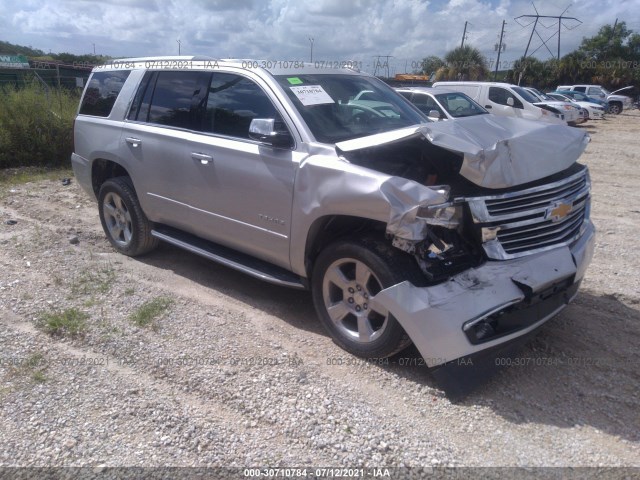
column 615, row 108
column 122, row 218
column 346, row 277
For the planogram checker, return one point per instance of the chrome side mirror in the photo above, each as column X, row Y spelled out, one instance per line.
column 264, row 131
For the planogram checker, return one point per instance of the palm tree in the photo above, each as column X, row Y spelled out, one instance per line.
column 463, row 63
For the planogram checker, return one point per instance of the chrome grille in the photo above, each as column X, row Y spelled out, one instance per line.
column 520, row 223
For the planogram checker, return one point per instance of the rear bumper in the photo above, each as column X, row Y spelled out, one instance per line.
column 491, row 305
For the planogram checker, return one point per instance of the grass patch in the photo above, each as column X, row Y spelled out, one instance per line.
column 95, row 281
column 38, row 376
column 33, row 367
column 129, row 292
column 149, row 311
column 20, row 176
column 68, row 322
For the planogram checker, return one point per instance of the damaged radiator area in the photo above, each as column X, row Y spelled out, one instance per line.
column 432, row 232
column 413, row 158
column 447, row 235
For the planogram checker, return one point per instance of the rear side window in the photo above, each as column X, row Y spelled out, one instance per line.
column 580, row 89
column 101, row 92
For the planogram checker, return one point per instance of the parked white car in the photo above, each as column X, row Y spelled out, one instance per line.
column 615, row 103
column 506, row 100
column 441, row 103
column 572, row 113
column 595, row 111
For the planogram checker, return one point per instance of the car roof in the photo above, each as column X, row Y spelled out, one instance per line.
column 202, row 62
column 470, row 82
column 431, row 90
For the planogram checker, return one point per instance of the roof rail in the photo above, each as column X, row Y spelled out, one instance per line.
column 148, row 59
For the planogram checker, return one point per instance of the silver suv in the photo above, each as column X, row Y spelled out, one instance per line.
column 457, row 236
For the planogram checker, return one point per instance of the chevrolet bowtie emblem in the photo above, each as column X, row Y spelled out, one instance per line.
column 559, row 211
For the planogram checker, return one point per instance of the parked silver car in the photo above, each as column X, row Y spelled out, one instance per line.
column 459, row 238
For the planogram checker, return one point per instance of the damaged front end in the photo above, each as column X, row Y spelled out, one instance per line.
column 434, row 233
column 498, row 222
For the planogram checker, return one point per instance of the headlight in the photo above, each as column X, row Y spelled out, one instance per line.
column 446, row 215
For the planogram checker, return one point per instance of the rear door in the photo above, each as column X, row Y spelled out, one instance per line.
column 198, row 170
column 156, row 141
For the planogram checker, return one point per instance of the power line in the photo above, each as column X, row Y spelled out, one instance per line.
column 384, row 65
column 537, row 21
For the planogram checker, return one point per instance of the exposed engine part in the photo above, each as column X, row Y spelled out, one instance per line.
column 444, row 253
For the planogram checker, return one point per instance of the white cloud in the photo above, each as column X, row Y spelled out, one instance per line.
column 407, row 30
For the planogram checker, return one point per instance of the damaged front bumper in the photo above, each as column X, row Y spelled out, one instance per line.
column 491, row 305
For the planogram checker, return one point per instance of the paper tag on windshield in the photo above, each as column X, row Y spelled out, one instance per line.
column 312, row 95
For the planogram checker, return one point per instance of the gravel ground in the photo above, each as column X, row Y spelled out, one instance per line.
column 232, row 372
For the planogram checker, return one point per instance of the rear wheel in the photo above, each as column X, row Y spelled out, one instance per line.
column 122, row 218
column 346, row 277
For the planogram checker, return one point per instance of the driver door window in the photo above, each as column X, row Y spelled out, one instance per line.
column 425, row 103
column 232, row 103
column 501, row 95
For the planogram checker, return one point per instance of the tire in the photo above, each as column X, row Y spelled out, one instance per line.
column 346, row 275
column 615, row 108
column 124, row 223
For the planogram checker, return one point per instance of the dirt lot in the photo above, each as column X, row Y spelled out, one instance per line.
column 222, row 370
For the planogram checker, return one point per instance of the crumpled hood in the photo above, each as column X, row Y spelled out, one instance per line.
column 499, row 152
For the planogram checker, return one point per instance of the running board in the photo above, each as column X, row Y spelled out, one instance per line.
column 226, row 256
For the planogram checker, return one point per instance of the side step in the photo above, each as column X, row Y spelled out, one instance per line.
column 226, row 256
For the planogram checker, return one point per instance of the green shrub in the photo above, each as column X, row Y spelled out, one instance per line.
column 36, row 126
column 68, row 322
column 149, row 311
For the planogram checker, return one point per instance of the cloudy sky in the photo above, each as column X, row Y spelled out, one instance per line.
column 406, row 30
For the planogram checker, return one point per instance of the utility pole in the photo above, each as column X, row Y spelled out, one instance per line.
column 613, row 32
column 311, row 42
column 464, row 34
column 179, row 45
column 499, row 47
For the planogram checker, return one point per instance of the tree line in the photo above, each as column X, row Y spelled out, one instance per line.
column 610, row 58
column 36, row 54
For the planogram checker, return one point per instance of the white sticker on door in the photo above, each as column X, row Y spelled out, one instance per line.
column 311, row 95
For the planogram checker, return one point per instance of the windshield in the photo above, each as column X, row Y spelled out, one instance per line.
column 340, row 107
column 605, row 91
column 556, row 96
column 459, row 105
column 528, row 96
column 544, row 96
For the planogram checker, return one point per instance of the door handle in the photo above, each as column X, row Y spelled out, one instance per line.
column 204, row 159
column 487, row 106
column 133, row 141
